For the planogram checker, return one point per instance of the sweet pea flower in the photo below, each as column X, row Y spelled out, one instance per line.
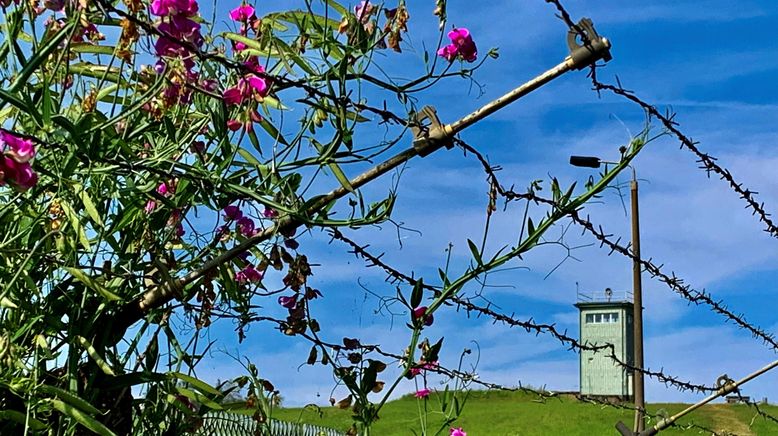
column 270, row 213
column 179, row 28
column 363, row 11
column 248, row 274
column 174, row 7
column 246, row 226
column 19, row 149
column 420, row 313
column 167, row 189
column 245, row 89
column 19, row 174
column 288, row 302
column 234, row 125
column 462, row 45
column 232, row 213
column 457, row 432
column 242, row 13
column 150, row 206
column 422, row 393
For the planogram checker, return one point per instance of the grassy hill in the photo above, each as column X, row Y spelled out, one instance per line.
column 510, row 413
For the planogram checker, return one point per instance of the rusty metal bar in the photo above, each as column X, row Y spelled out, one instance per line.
column 726, row 386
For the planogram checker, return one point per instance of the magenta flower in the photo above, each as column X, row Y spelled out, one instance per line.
column 363, row 11
column 179, row 28
column 420, row 313
column 422, row 393
column 288, row 302
column 19, row 149
column 20, row 175
column 246, row 226
column 242, row 13
column 245, row 89
column 234, row 125
column 174, row 7
column 167, row 189
column 248, row 274
column 270, row 213
column 150, row 206
column 457, row 432
column 462, row 45
column 232, row 213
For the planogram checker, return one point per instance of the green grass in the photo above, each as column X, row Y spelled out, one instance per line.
column 510, row 413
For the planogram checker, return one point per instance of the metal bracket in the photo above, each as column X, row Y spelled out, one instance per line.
column 585, row 54
column 429, row 134
column 725, row 385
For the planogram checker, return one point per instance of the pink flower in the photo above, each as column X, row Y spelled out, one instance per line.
column 167, row 189
column 234, row 125
column 150, row 206
column 246, row 226
column 449, row 52
column 179, row 28
column 422, row 393
column 430, row 365
column 232, row 213
column 20, row 174
column 242, row 13
column 248, row 274
column 420, row 313
column 363, row 11
column 19, row 149
column 270, row 213
column 245, row 89
column 457, row 432
column 174, row 7
column 288, row 302
column 462, row 45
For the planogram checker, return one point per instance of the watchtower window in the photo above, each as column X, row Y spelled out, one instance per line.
column 602, row 318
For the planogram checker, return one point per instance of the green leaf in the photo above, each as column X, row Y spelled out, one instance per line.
column 70, row 398
column 199, row 384
column 418, row 293
column 476, row 253
column 344, row 181
column 76, row 223
column 199, row 398
column 40, row 56
column 92, row 284
column 82, row 418
column 272, row 131
column 90, row 349
column 21, row 419
column 93, row 49
column 89, row 205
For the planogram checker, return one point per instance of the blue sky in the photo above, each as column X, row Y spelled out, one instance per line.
column 714, row 62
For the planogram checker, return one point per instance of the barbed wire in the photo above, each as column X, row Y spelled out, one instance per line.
column 672, row 281
column 706, row 161
column 510, row 320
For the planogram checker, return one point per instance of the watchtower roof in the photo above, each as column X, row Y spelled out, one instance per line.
column 604, row 298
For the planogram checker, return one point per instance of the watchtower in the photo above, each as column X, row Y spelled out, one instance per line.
column 606, row 317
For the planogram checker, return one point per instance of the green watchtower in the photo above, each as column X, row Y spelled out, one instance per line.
column 606, row 317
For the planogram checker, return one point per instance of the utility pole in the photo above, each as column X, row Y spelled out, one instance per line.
column 637, row 314
column 637, row 292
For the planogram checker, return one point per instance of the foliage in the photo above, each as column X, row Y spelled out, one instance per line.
column 133, row 194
